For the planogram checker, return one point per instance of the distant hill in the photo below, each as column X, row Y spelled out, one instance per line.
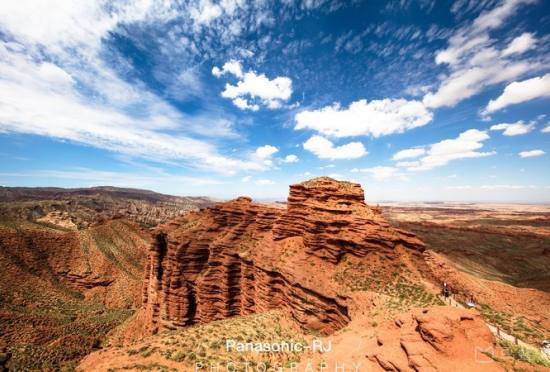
column 72, row 261
column 82, row 207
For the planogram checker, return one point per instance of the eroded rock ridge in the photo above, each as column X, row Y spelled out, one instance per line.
column 225, row 260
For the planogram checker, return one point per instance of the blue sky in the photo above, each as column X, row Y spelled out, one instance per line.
column 416, row 100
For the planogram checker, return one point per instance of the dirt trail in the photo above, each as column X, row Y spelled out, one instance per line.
column 499, row 333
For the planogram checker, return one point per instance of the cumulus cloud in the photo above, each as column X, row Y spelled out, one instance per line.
column 514, row 129
column 244, row 105
column 230, row 67
column 531, row 153
column 474, row 61
column 253, row 89
column 266, row 151
column 381, row 172
column 325, row 149
column 441, row 153
column 375, row 118
column 409, row 154
column 290, row 159
column 546, row 129
column 521, row 91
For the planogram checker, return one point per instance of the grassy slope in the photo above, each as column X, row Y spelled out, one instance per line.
column 47, row 323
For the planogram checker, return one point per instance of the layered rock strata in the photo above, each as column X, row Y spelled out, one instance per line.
column 212, row 264
column 333, row 219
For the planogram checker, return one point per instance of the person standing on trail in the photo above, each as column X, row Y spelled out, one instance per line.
column 446, row 291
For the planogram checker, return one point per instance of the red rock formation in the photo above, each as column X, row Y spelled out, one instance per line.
column 221, row 261
column 333, row 219
column 435, row 339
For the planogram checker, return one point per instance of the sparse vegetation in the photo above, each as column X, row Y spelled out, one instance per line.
column 518, row 326
column 525, row 354
column 206, row 344
column 388, row 279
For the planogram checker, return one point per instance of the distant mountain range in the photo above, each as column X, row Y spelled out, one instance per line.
column 81, row 207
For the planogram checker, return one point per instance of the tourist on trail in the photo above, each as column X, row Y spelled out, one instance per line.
column 446, row 291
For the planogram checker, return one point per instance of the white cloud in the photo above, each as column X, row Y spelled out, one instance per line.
column 546, row 129
column 244, row 105
column 462, row 147
column 254, row 89
column 230, row 67
column 29, row 104
column 325, row 149
column 520, row 44
column 409, row 154
column 407, row 164
column 376, row 118
column 205, row 12
column 531, row 153
column 290, row 159
column 474, row 61
column 514, row 129
column 79, row 97
column 521, row 91
column 263, row 182
column 266, row 151
column 381, row 172
column 467, row 82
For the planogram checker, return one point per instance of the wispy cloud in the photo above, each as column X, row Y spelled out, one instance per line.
column 514, row 129
column 94, row 177
column 474, row 61
column 531, row 153
column 381, row 173
column 520, row 91
column 57, row 83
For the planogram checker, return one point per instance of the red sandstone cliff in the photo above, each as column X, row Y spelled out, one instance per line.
column 238, row 257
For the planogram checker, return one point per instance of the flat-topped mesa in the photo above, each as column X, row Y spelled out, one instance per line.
column 333, row 220
column 325, row 193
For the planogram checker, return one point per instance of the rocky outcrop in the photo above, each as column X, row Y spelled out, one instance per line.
column 220, row 261
column 199, row 272
column 333, row 219
column 435, row 339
